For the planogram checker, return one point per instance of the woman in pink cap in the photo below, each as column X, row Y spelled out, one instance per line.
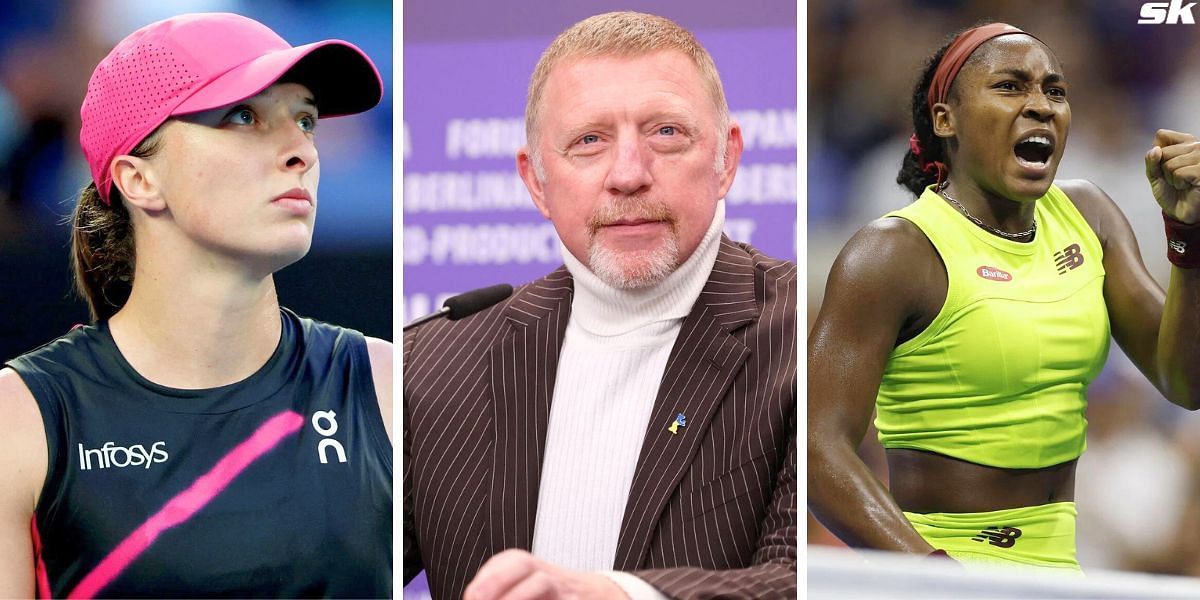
column 198, row 439
column 973, row 320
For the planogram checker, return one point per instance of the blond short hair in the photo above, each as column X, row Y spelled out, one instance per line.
column 622, row 34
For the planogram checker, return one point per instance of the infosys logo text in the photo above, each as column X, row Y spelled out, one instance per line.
column 111, row 455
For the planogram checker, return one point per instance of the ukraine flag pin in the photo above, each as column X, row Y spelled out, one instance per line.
column 680, row 421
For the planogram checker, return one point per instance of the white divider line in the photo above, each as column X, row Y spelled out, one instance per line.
column 838, row 573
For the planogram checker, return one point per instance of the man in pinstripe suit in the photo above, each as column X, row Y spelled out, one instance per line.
column 626, row 425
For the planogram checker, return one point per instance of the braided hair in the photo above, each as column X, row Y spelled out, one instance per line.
column 918, row 172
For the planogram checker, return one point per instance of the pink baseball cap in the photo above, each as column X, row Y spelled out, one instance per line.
column 198, row 62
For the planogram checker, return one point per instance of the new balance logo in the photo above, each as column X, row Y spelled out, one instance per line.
column 1002, row 537
column 111, row 455
column 1068, row 258
column 1178, row 247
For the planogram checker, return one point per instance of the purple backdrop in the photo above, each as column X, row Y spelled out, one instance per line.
column 468, row 220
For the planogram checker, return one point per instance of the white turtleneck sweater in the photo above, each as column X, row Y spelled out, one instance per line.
column 609, row 370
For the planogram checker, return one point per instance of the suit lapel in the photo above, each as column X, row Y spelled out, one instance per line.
column 522, row 369
column 702, row 364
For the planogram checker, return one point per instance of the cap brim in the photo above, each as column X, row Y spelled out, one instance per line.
column 342, row 78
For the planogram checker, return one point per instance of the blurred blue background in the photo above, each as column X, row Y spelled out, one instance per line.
column 47, row 53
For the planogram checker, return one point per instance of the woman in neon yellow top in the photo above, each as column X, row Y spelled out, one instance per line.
column 974, row 319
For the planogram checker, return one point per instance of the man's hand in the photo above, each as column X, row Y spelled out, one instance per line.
column 1173, row 168
column 519, row 575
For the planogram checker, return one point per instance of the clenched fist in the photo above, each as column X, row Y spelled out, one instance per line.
column 1173, row 168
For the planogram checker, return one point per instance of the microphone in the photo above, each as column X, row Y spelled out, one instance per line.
column 466, row 304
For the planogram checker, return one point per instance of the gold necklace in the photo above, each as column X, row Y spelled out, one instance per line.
column 988, row 228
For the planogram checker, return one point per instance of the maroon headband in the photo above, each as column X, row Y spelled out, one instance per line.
column 957, row 54
column 953, row 59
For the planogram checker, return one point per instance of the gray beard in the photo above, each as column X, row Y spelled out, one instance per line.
column 634, row 270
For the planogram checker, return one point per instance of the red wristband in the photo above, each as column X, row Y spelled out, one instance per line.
column 1183, row 243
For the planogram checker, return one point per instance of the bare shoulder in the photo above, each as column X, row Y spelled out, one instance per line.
column 892, row 232
column 379, row 350
column 1087, row 196
column 24, row 452
column 1097, row 208
column 23, row 419
column 380, row 353
column 887, row 251
column 23, row 460
column 887, row 283
column 883, row 288
column 13, row 388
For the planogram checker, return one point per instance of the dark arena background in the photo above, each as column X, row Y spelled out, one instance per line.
column 47, row 53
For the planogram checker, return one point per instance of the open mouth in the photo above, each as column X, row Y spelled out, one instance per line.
column 1034, row 151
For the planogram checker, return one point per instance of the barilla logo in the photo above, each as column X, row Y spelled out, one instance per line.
column 993, row 274
column 111, row 455
column 1169, row 13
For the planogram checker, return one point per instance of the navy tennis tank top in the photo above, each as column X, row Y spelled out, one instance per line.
column 278, row 485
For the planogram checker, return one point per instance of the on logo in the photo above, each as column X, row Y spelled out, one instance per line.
column 330, row 427
column 1068, row 258
column 1171, row 13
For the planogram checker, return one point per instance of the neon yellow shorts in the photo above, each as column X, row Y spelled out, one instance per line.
column 1040, row 536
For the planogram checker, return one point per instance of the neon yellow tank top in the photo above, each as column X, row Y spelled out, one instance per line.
column 1000, row 376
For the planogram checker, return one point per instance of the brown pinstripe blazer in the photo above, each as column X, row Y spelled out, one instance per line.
column 712, row 512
